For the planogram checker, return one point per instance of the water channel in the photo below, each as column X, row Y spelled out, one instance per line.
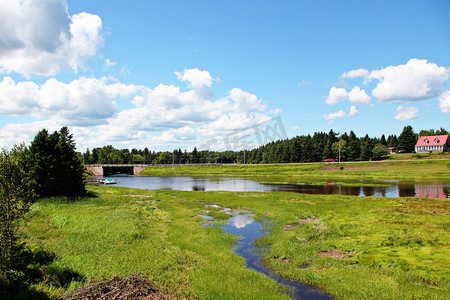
column 379, row 188
column 245, row 226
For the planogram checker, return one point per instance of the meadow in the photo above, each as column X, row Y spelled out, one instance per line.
column 350, row 247
column 422, row 169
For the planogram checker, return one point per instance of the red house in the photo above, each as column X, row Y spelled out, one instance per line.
column 433, row 143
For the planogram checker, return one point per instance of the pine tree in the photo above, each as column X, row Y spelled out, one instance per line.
column 296, row 154
column 53, row 164
column 354, row 147
column 407, row 140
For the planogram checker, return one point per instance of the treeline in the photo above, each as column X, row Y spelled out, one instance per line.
column 306, row 148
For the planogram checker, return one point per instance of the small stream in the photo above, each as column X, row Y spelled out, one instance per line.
column 244, row 225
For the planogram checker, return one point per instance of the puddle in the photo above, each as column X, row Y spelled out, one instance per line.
column 244, row 225
column 206, row 217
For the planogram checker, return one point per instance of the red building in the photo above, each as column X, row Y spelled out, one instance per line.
column 433, row 143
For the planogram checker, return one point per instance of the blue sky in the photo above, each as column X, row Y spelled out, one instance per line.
column 176, row 74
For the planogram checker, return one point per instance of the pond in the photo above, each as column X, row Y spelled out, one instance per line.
column 379, row 188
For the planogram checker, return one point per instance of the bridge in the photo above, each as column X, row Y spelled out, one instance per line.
column 107, row 169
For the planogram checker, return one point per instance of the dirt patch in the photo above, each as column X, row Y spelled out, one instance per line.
column 304, row 221
column 138, row 196
column 336, row 254
column 131, row 287
column 289, row 227
column 284, row 260
column 147, row 201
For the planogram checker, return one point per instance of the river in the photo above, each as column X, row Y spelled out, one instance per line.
column 378, row 188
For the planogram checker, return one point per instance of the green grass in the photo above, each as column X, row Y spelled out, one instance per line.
column 406, row 170
column 378, row 248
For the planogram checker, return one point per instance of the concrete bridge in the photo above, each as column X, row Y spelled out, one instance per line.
column 104, row 170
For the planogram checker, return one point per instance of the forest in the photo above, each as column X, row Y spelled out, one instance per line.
column 305, row 148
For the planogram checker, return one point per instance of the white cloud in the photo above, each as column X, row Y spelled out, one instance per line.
column 159, row 117
column 275, row 111
column 336, row 95
column 444, row 102
column 341, row 114
column 406, row 113
column 200, row 81
column 358, row 96
column 245, row 102
column 109, row 63
column 355, row 73
column 353, row 111
column 294, row 127
column 40, row 37
column 416, row 80
column 83, row 102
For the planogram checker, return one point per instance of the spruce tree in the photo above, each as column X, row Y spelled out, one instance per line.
column 407, row 140
column 53, row 164
column 354, row 147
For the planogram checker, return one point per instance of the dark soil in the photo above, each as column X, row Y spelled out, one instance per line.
column 127, row 288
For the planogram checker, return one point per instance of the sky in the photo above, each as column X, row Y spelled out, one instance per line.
column 182, row 74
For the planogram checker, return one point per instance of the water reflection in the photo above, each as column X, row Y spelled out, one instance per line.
column 240, row 221
column 433, row 189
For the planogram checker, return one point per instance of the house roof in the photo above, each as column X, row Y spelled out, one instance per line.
column 433, row 140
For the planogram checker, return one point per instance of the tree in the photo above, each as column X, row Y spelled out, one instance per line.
column 441, row 131
column 366, row 151
column 296, row 153
column 16, row 194
column 342, row 144
column 53, row 164
column 354, row 147
column 407, row 140
column 379, row 151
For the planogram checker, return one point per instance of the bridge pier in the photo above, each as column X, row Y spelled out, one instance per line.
column 96, row 170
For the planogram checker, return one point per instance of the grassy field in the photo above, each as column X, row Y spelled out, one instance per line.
column 406, row 170
column 351, row 247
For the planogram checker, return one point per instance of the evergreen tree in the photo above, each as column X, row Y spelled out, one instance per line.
column 407, row 140
column 367, row 148
column 54, row 165
column 383, row 140
column 354, row 147
column 296, row 153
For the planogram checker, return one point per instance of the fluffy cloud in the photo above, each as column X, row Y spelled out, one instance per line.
column 356, row 73
column 358, row 96
column 336, row 95
column 416, row 80
column 406, row 113
column 200, row 81
column 40, row 37
column 82, row 102
column 444, row 102
column 341, row 114
column 159, row 116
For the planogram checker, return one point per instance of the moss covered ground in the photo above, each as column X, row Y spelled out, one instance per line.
column 351, row 247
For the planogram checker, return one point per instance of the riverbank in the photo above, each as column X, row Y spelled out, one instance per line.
column 351, row 247
column 382, row 170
